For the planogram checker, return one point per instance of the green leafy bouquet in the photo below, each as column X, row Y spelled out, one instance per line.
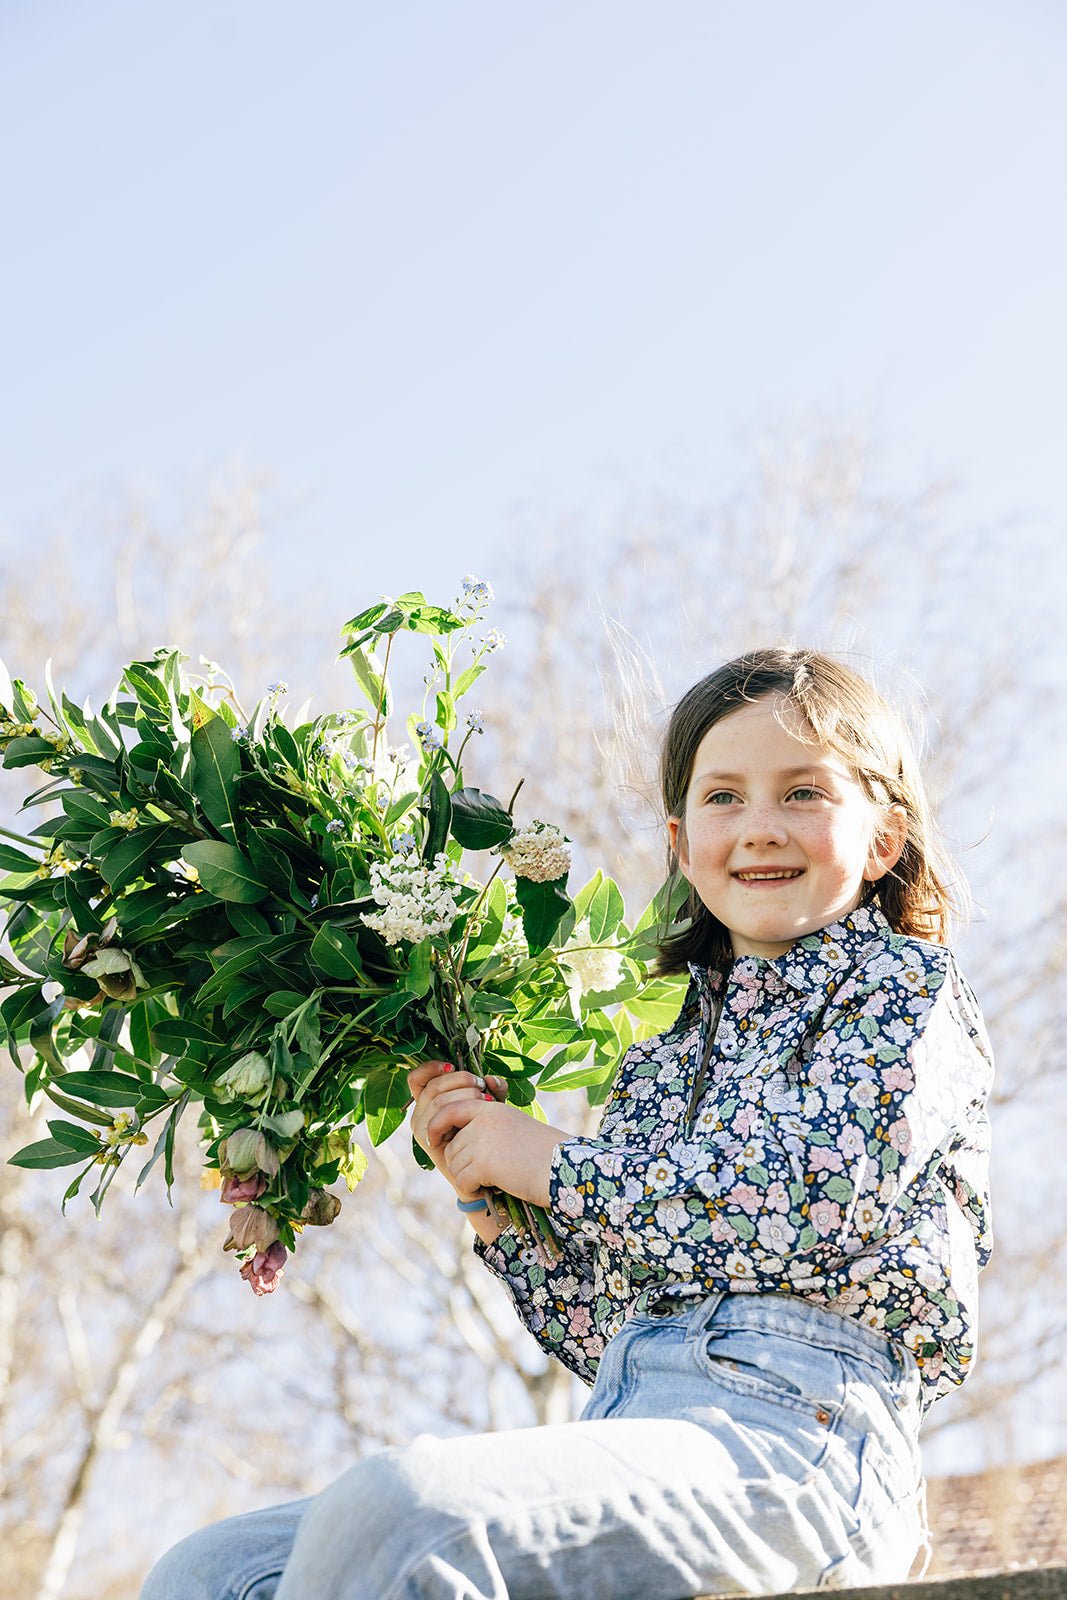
column 275, row 922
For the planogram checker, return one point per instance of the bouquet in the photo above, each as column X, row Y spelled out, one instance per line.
column 271, row 921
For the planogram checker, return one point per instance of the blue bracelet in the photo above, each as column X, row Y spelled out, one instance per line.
column 472, row 1205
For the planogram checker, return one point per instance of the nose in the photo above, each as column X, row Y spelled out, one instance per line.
column 763, row 824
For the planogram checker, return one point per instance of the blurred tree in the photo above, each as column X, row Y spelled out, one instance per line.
column 213, row 1402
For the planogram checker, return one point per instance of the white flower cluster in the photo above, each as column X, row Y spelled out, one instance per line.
column 538, row 852
column 416, row 901
column 598, row 967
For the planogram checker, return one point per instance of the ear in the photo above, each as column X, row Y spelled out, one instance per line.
column 679, row 843
column 888, row 843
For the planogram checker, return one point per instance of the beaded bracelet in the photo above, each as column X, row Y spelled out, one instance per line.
column 472, row 1205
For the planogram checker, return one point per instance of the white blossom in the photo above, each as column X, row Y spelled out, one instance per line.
column 598, row 967
column 539, row 852
column 417, row 901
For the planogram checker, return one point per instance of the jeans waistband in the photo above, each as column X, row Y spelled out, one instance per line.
column 787, row 1315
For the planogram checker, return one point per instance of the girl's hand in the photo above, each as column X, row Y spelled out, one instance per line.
column 434, row 1085
column 485, row 1145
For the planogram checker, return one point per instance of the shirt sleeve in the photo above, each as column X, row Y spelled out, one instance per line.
column 555, row 1303
column 803, row 1169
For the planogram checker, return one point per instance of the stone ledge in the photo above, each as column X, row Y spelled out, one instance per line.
column 1018, row 1583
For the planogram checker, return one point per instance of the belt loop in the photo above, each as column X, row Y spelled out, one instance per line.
column 705, row 1313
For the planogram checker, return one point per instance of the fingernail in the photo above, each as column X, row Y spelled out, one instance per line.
column 501, row 1083
column 488, row 1097
column 479, row 1083
column 448, row 1067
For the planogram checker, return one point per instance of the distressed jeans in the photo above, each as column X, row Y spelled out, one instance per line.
column 748, row 1444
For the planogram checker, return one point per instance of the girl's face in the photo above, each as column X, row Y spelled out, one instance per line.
column 778, row 837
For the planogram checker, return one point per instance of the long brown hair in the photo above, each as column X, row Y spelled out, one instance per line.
column 846, row 714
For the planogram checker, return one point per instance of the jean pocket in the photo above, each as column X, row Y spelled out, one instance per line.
column 775, row 1370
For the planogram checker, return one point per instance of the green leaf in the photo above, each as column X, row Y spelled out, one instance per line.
column 549, row 1030
column 164, row 1147
column 468, row 679
column 285, row 744
column 172, row 1034
column 543, row 907
column 420, row 970
column 368, row 674
column 216, row 771
column 74, row 1137
column 593, row 1072
column 225, row 871
column 366, row 619
column 336, row 953
column 129, row 859
column 141, row 677
column 28, row 751
column 479, row 821
column 85, row 807
column 606, row 911
column 47, row 1153
column 14, row 860
column 386, row 1098
column 110, row 1088
column 491, row 922
column 283, row 1002
column 421, row 617
column 440, row 818
column 41, row 1033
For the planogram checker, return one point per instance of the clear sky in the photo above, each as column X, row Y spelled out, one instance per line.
column 433, row 264
column 446, row 267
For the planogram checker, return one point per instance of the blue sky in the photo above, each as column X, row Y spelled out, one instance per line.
column 450, row 270
column 435, row 265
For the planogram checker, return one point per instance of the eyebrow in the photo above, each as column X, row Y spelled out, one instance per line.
column 812, row 768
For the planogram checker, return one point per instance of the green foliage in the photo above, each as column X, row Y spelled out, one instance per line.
column 228, row 911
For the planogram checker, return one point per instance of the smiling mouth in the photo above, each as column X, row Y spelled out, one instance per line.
column 783, row 875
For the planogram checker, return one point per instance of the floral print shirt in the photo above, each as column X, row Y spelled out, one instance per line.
column 813, row 1125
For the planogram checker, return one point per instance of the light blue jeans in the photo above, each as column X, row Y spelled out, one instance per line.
column 750, row 1444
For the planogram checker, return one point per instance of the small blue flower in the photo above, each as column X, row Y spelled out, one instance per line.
column 336, row 826
column 278, row 687
column 349, row 760
column 475, row 722
column 239, row 734
column 430, row 735
column 314, row 901
column 404, row 842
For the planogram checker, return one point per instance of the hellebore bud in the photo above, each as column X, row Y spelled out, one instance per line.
column 321, row 1208
column 235, row 1188
column 248, row 1079
column 248, row 1151
column 116, row 972
column 251, row 1228
column 265, row 1270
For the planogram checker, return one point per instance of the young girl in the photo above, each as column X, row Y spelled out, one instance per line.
column 770, row 1249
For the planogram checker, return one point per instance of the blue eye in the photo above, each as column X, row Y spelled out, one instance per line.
column 719, row 794
column 806, row 794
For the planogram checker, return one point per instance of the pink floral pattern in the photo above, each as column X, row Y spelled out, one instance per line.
column 837, row 1149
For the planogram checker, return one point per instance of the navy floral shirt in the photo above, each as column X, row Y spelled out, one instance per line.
column 813, row 1125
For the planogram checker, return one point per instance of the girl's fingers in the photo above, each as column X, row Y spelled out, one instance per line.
column 420, row 1076
column 446, row 1083
column 452, row 1113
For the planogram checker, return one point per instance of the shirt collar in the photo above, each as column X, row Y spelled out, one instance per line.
column 808, row 961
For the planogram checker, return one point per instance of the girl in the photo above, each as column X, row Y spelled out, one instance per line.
column 770, row 1249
